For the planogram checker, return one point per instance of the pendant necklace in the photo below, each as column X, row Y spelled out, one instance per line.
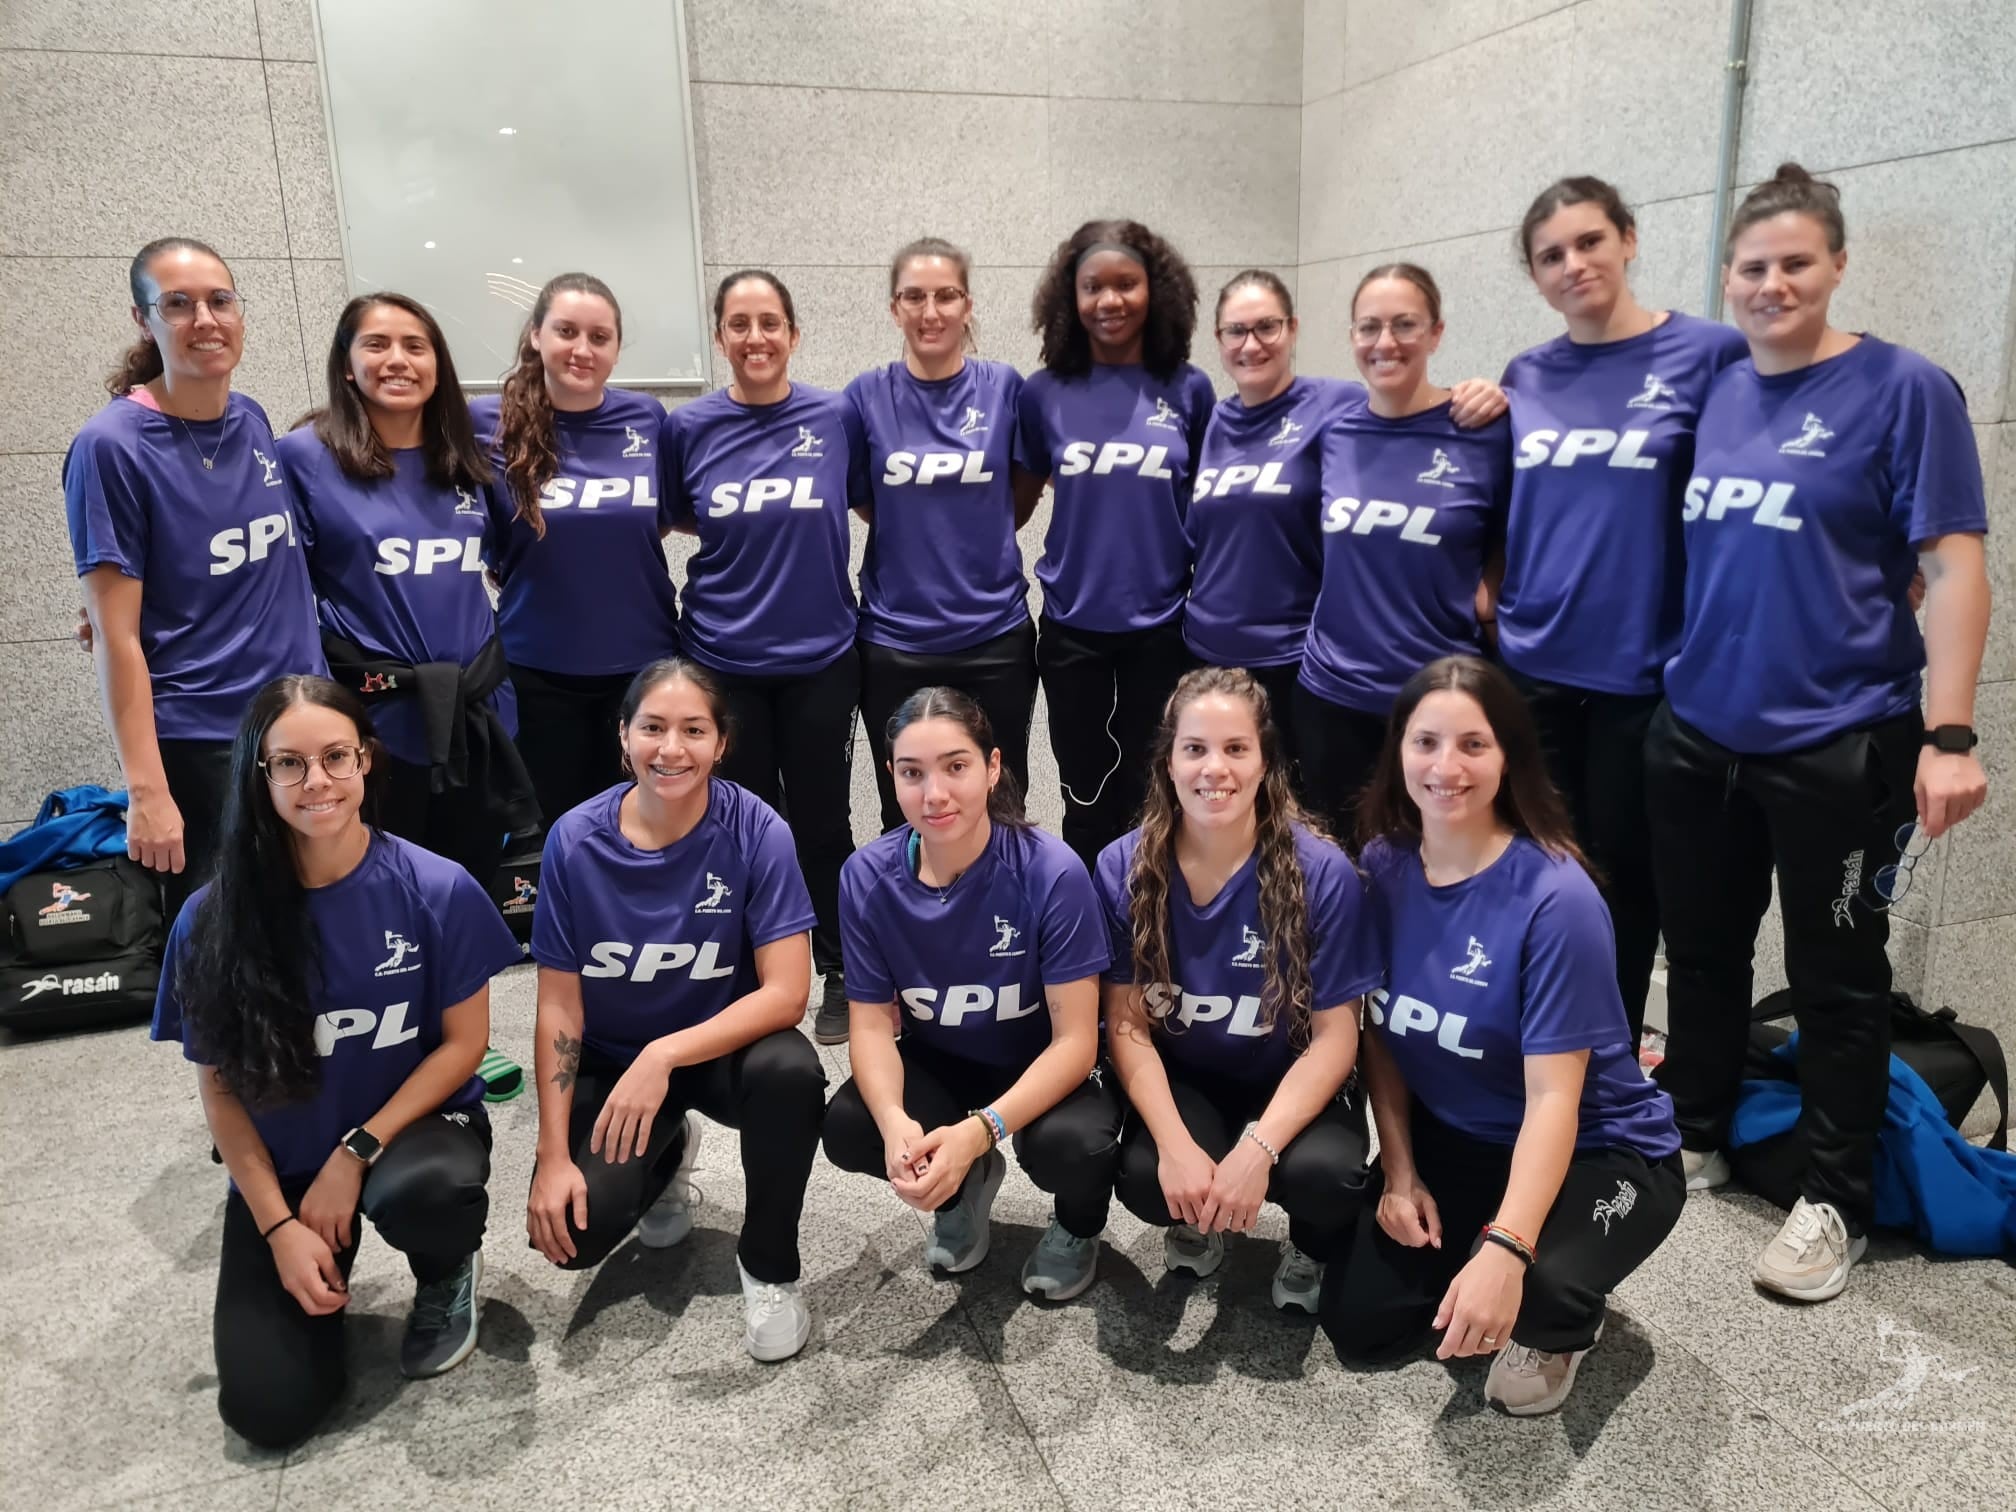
column 209, row 462
column 916, row 848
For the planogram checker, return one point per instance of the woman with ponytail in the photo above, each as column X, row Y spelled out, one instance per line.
column 961, row 927
column 332, row 985
column 1241, row 949
column 584, row 596
column 195, row 592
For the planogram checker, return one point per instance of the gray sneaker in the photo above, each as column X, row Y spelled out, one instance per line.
column 961, row 1233
column 1186, row 1248
column 829, row 1023
column 1061, row 1266
column 1298, row 1280
column 441, row 1329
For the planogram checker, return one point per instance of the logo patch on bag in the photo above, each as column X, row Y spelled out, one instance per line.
column 64, row 910
column 78, row 986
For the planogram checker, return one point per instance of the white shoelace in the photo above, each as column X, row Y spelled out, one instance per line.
column 1808, row 1228
column 1523, row 1361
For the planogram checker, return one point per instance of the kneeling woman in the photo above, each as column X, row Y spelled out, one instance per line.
column 1245, row 940
column 975, row 923
column 1509, row 1103
column 368, row 1100
column 671, row 937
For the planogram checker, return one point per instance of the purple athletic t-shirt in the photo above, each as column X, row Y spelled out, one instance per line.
column 1410, row 509
column 966, row 966
column 225, row 607
column 593, row 596
column 1518, row 960
column 664, row 939
column 1593, row 559
column 942, row 571
column 1218, row 954
column 397, row 566
column 1119, row 448
column 405, row 937
column 1811, row 494
column 768, row 489
column 1256, row 524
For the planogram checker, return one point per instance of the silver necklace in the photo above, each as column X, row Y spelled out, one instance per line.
column 209, row 462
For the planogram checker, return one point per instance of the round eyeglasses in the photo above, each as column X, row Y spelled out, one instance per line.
column 287, row 769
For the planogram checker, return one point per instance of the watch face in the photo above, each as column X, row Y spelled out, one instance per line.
column 362, row 1145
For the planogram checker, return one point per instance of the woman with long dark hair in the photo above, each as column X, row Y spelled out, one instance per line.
column 974, row 945
column 1588, row 614
column 1526, row 1166
column 1242, row 944
column 1114, row 423
column 184, row 536
column 943, row 598
column 332, row 985
column 1830, row 467
column 393, row 493
column 762, row 472
column 584, row 595
column 673, row 970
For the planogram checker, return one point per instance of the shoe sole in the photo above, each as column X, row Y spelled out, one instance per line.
column 770, row 1355
column 468, row 1345
column 827, row 1036
column 1303, row 1301
column 688, row 1158
column 989, row 1185
column 1202, row 1267
column 1065, row 1294
column 1544, row 1406
column 1830, row 1287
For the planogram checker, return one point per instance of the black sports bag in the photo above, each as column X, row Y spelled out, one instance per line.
column 81, row 946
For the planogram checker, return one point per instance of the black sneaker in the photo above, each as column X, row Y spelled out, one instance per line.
column 829, row 1024
column 441, row 1331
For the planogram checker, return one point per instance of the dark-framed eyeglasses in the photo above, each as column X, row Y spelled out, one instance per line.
column 1266, row 332
column 290, row 769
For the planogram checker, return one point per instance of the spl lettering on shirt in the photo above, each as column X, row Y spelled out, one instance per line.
column 396, row 554
column 1410, row 1015
column 559, row 493
column 348, row 1023
column 233, row 548
column 1086, row 456
column 729, row 497
column 1242, row 1014
column 1541, row 447
column 933, row 467
column 1741, row 494
column 1343, row 514
column 965, row 1001
column 1214, row 482
column 612, row 959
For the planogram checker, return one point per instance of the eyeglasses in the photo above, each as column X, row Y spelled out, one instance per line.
column 914, row 300
column 1266, row 332
column 1892, row 882
column 285, row 769
column 227, row 306
column 1406, row 329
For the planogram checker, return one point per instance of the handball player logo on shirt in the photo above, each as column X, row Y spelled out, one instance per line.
column 1807, row 442
column 1659, row 394
column 272, row 476
column 1289, row 431
column 465, row 502
column 1164, row 417
column 975, row 422
column 1439, row 470
column 404, row 957
column 1474, row 962
column 640, row 444
column 717, row 892
column 809, row 444
column 1005, row 935
column 1252, row 944
column 64, row 909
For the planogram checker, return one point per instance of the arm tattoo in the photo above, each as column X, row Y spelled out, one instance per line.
column 569, row 1052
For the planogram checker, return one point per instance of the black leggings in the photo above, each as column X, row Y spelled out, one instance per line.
column 567, row 734
column 279, row 1371
column 1614, row 1209
column 1104, row 695
column 773, row 1091
column 1319, row 1182
column 998, row 674
column 199, row 777
column 456, row 824
column 1340, row 748
column 1825, row 820
column 792, row 745
column 1070, row 1151
column 1595, row 747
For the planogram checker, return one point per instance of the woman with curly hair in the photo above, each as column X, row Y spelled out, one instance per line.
column 1115, row 422
column 332, row 985
column 584, row 596
column 1241, row 948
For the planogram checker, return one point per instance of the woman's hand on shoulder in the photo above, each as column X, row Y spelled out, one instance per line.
column 1476, row 401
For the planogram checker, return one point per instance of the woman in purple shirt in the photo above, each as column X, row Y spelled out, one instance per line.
column 1113, row 423
column 1526, row 1166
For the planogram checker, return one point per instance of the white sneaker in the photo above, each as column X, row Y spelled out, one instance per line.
column 779, row 1323
column 670, row 1218
column 1528, row 1382
column 1298, row 1280
column 1184, row 1248
column 961, row 1233
column 1704, row 1169
column 1810, row 1259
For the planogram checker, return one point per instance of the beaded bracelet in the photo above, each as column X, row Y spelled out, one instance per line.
column 1273, row 1155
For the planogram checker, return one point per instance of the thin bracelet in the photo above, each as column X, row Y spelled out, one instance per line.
column 1505, row 1241
column 1517, row 1238
column 1253, row 1133
column 269, row 1233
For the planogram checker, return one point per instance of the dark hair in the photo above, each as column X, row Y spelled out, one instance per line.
column 1004, row 799
column 525, row 435
column 141, row 362
column 937, row 246
column 1261, row 278
column 1172, row 301
column 253, row 961
column 1790, row 189
column 447, row 435
column 1581, row 189
column 1527, row 801
column 761, row 275
column 1412, row 273
column 1284, row 902
column 674, row 669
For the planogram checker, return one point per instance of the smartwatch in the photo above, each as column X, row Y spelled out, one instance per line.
column 1954, row 740
column 365, row 1145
